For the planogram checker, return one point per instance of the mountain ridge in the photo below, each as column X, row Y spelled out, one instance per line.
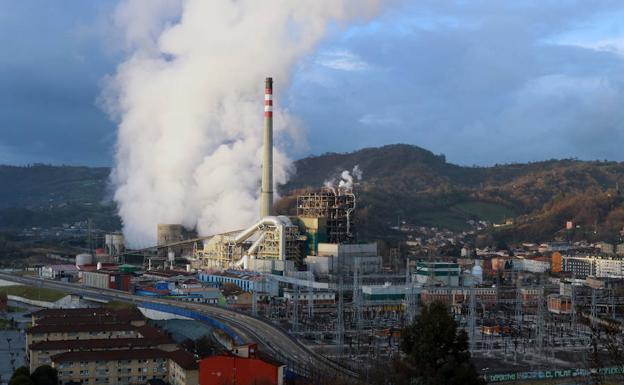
column 399, row 181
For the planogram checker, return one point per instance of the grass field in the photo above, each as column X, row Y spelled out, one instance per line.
column 34, row 293
column 119, row 305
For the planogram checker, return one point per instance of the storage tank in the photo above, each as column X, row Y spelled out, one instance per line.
column 84, row 259
column 117, row 241
column 169, row 233
column 114, row 243
column 477, row 273
column 108, row 243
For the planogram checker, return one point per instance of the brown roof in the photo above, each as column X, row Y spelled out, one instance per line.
column 82, row 312
column 66, row 328
column 183, row 358
column 99, row 343
column 127, row 314
column 109, row 355
column 145, row 331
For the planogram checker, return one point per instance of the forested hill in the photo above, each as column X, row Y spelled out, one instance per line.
column 408, row 182
column 399, row 181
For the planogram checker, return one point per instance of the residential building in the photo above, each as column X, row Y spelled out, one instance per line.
column 538, row 265
column 129, row 366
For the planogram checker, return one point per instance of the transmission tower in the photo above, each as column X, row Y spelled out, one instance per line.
column 472, row 318
column 310, row 295
column 340, row 313
column 593, row 308
column 573, row 306
column 295, row 316
column 539, row 332
column 357, row 297
column 518, row 310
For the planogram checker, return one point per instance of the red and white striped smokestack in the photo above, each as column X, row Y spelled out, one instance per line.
column 266, row 193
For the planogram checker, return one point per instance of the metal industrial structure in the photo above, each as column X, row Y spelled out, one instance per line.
column 336, row 205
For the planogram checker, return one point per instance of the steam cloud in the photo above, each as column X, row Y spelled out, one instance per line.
column 346, row 179
column 188, row 99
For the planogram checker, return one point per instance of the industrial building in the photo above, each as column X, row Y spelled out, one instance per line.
column 437, row 273
column 247, row 281
column 107, row 279
column 332, row 258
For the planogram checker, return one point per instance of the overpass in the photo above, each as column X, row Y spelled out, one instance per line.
column 272, row 339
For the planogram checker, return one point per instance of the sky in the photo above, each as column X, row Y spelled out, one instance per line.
column 483, row 82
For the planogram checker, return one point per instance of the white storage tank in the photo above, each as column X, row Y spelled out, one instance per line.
column 84, row 259
column 477, row 273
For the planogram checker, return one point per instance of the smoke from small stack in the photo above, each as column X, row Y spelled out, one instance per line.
column 189, row 148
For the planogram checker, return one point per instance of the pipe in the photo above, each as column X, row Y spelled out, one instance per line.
column 266, row 192
column 279, row 222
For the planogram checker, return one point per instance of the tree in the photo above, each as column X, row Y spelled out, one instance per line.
column 45, row 375
column 436, row 352
column 21, row 370
column 21, row 379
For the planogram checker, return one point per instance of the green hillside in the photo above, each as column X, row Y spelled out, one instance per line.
column 408, row 182
column 400, row 181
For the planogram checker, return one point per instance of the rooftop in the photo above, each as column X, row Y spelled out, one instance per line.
column 183, row 358
column 96, row 344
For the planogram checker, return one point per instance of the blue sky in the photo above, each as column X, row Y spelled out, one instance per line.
column 483, row 82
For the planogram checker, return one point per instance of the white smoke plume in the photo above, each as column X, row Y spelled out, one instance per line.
column 357, row 172
column 189, row 101
column 345, row 180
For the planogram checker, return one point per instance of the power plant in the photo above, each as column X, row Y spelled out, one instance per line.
column 279, row 244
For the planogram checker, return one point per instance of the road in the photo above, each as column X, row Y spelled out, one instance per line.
column 280, row 344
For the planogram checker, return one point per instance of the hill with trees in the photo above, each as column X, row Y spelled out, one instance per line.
column 399, row 182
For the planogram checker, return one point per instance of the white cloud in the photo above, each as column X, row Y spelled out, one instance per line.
column 342, row 60
column 380, row 120
column 614, row 45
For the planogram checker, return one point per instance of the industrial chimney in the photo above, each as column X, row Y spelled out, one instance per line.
column 266, row 193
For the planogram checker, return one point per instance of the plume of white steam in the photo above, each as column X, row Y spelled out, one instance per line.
column 346, row 179
column 189, row 103
column 357, row 172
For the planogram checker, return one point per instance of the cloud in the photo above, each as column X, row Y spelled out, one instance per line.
column 379, row 120
column 495, row 85
column 342, row 60
column 615, row 45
